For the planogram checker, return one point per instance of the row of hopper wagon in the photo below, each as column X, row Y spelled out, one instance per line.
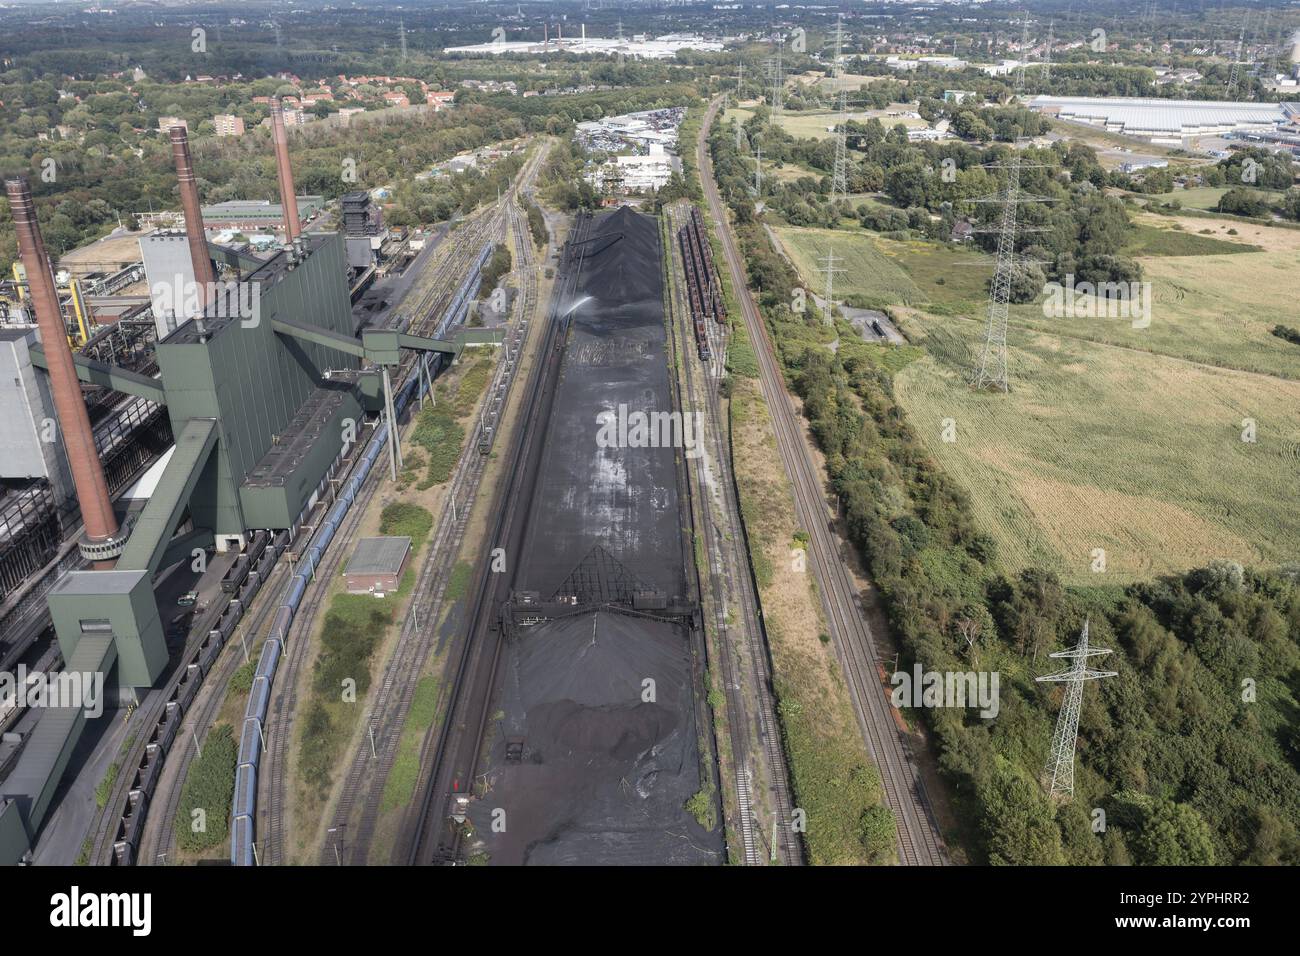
column 260, row 555
column 243, row 817
column 703, row 287
column 242, row 581
column 240, row 585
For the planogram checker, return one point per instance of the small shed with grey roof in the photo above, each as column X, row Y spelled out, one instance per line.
column 377, row 564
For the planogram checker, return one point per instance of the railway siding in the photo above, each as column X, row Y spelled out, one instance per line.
column 918, row 839
column 733, row 618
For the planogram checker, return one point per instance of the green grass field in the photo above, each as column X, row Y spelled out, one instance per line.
column 1198, row 197
column 1214, row 309
column 880, row 272
column 1176, row 240
column 1098, row 447
column 1113, row 437
column 814, row 124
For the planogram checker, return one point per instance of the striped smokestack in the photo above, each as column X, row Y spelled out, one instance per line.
column 288, row 198
column 204, row 276
column 74, row 424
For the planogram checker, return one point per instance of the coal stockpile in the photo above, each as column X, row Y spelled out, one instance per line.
column 622, row 499
column 595, row 751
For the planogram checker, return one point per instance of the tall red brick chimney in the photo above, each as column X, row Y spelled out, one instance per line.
column 288, row 198
column 74, row 423
column 204, row 275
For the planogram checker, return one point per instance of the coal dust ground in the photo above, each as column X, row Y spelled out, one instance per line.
column 604, row 773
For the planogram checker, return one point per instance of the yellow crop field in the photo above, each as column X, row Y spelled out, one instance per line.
column 1098, row 447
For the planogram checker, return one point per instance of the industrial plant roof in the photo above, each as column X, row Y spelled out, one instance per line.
column 379, row 555
column 296, row 439
column 258, row 209
column 1172, row 116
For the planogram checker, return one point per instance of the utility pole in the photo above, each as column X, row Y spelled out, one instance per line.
column 1061, row 763
column 758, row 171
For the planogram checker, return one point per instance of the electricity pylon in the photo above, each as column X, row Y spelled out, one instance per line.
column 992, row 369
column 839, row 172
column 1047, row 52
column 778, row 82
column 830, row 269
column 1235, row 71
column 1061, row 764
column 1024, row 57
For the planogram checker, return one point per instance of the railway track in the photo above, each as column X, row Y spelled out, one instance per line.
column 272, row 795
column 372, row 763
column 279, row 724
column 919, row 840
column 450, row 757
column 159, row 840
column 434, row 296
column 733, row 587
column 142, row 721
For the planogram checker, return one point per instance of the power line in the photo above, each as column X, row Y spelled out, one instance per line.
column 830, row 270
column 839, row 171
column 777, row 76
column 1060, row 765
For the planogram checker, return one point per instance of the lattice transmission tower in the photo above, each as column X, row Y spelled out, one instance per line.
column 1061, row 763
column 776, row 74
column 1234, row 73
column 830, row 270
column 991, row 372
column 840, row 171
column 1047, row 51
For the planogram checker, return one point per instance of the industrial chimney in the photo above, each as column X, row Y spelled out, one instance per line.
column 101, row 542
column 288, row 199
column 204, row 276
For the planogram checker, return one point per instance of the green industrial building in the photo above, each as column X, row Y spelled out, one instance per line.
column 265, row 392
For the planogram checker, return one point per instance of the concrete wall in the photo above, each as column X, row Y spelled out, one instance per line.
column 25, row 399
column 13, row 834
column 166, row 255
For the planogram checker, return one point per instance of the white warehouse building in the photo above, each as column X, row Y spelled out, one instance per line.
column 1167, row 121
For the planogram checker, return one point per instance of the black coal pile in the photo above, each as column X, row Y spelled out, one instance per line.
column 596, row 747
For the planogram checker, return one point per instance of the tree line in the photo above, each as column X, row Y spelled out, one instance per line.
column 1190, row 754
